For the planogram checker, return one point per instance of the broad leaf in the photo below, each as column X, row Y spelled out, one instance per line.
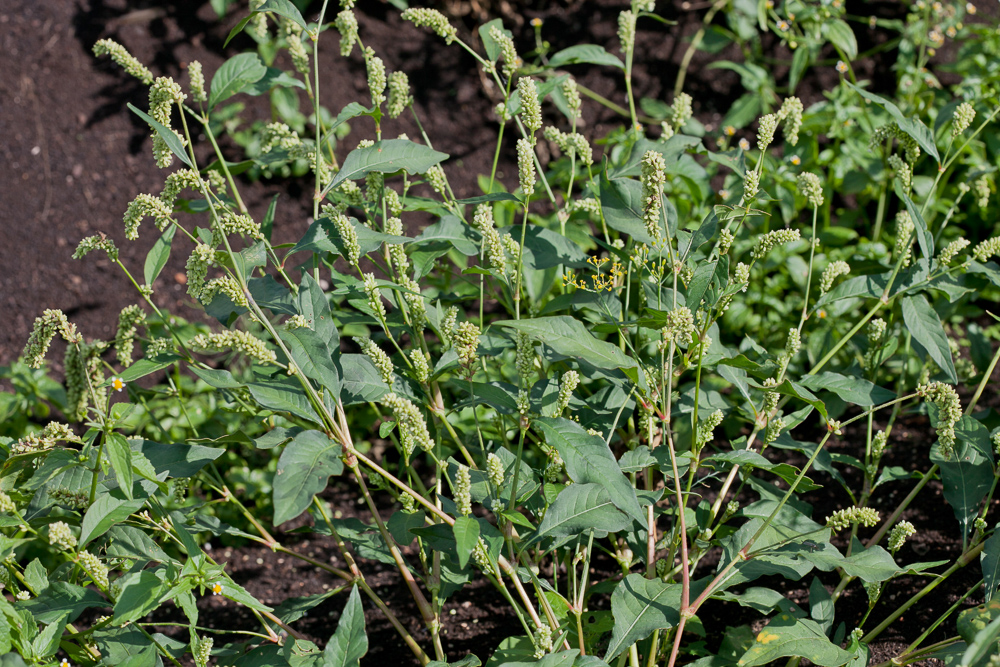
column 362, row 381
column 144, row 367
column 839, row 33
column 169, row 136
column 909, row 124
column 109, row 508
column 466, row 531
column 585, row 53
column 313, row 356
column 158, row 255
column 853, row 390
column 640, row 606
column 284, row 397
column 387, row 157
column 140, row 595
column 786, row 636
column 589, row 460
column 177, row 459
column 303, row 470
column 579, row 508
column 621, row 203
column 120, row 455
column 989, row 559
column 570, row 337
column 62, row 598
column 926, row 328
column 349, row 642
column 924, row 237
column 235, row 75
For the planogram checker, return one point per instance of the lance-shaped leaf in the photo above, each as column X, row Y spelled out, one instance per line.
column 640, row 606
column 234, row 76
column 349, row 642
column 169, row 136
column 585, row 53
column 570, row 337
column 786, row 636
column 989, row 559
column 909, row 124
column 313, row 356
column 853, row 390
column 926, row 328
column 387, row 157
column 303, row 470
column 589, row 460
column 582, row 507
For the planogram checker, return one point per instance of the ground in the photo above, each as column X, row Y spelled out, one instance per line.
column 73, row 157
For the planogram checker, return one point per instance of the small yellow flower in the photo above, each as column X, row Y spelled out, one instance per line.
column 64, row 663
column 872, row 21
column 744, row 144
column 795, row 160
column 724, row 194
column 783, row 26
column 842, row 67
column 937, row 7
column 951, row 32
column 117, row 384
column 836, row 4
column 970, row 8
column 217, row 588
column 821, row 313
column 537, row 22
column 729, row 130
column 638, row 127
column 770, row 4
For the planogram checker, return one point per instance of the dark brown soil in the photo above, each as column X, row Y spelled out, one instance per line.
column 74, row 156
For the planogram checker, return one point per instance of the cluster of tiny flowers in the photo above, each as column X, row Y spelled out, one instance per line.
column 572, row 95
column 901, row 171
column 878, row 444
column 96, row 242
column 463, row 490
column 466, row 342
column 793, row 343
column 448, row 325
column 124, row 59
column 964, row 115
column 995, row 439
column 706, row 430
column 434, row 20
column 125, row 336
column 412, row 427
column 904, row 236
column 197, row 79
column 652, row 177
column 751, row 184
column 374, row 297
column 543, row 641
column 236, row 340
column 772, row 239
column 741, row 276
column 61, row 536
column 726, row 239
column 950, row 251
column 572, row 144
column 347, row 26
column 163, row 94
column 949, row 406
column 279, row 135
column 176, row 182
column 481, row 554
column 145, row 206
column 524, row 357
column 626, row 30
column 201, row 258
column 680, row 110
column 296, row 322
column 84, row 375
column 526, row 166
column 378, row 357
column 987, row 249
column 204, row 652
column 232, row 223
column 415, row 300
column 567, row 384
column 421, row 368
column 900, row 532
column 811, row 188
column 982, row 186
column 774, row 428
column 531, row 109
column 47, row 325
column 679, row 327
column 890, row 131
column 833, row 271
column 765, row 133
column 296, row 49
column 227, row 285
column 770, row 397
column 397, row 253
column 349, row 238
column 7, row 505
column 511, row 61
column 494, row 470
column 376, row 76
column 436, row 179
column 47, row 438
column 399, row 94
column 791, row 114
column 95, row 568
column 841, row 519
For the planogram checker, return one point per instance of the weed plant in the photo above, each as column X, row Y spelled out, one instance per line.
column 617, row 358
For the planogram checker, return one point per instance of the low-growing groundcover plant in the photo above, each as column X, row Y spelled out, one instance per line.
column 613, row 360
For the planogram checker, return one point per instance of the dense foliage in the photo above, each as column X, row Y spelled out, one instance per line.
column 641, row 354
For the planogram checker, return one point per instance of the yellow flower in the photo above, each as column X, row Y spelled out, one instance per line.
column 117, row 384
column 744, row 144
column 821, row 313
column 783, row 26
column 795, row 160
column 729, row 130
column 216, row 588
column 724, row 194
column 970, row 8
column 64, row 663
column 842, row 67
column 537, row 22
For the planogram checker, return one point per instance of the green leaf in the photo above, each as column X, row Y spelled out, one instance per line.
column 144, row 367
column 786, row 636
column 238, row 28
column 924, row 237
column 579, row 508
column 62, row 598
column 169, row 136
column 120, row 455
column 839, row 33
column 926, row 328
column 349, row 642
column 314, row 305
column 989, row 560
column 132, row 543
column 178, row 459
column 466, row 531
column 305, row 465
column 387, row 157
column 570, row 337
column 312, row 355
column 284, row 397
column 800, row 62
column 158, row 255
column 496, row 196
column 218, row 378
column 968, row 475
column 853, row 390
column 795, row 390
column 621, row 203
column 234, row 76
column 284, row 8
column 140, row 595
column 585, row 53
column 109, row 508
column 362, row 381
column 912, row 125
column 639, row 607
column 871, row 565
column 589, row 459
column 273, row 78
column 292, row 609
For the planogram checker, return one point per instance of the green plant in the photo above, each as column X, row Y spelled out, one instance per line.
column 653, row 340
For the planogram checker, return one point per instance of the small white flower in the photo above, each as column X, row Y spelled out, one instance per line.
column 117, row 384
column 744, row 144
